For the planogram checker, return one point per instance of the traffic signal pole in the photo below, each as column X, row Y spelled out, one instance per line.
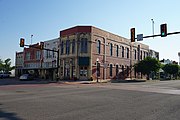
column 163, row 33
column 172, row 33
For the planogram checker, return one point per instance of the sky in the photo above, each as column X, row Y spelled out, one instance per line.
column 45, row 18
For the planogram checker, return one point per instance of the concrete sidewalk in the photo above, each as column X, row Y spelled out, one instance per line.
column 82, row 81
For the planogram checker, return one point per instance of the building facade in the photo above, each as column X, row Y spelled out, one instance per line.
column 154, row 54
column 84, row 53
column 87, row 52
column 33, row 59
column 50, row 58
column 19, row 63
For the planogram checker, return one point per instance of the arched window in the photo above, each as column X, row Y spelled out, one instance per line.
column 127, row 52
column 122, row 52
column 67, row 47
column 135, row 54
column 62, row 47
column 117, row 69
column 98, row 46
column 84, row 45
column 73, row 46
column 111, row 49
column 117, row 50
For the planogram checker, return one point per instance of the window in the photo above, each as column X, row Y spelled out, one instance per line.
column 117, row 69
column 141, row 55
column 123, row 69
column 135, row 56
column 84, row 45
column 53, row 53
column 122, row 52
column 62, row 47
column 147, row 54
column 110, row 70
column 127, row 52
column 98, row 46
column 144, row 54
column 117, row 50
column 48, row 54
column 73, row 46
column 38, row 55
column 28, row 56
column 67, row 47
column 128, row 71
column 111, row 49
column 83, row 71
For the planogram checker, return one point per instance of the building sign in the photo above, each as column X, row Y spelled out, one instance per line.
column 83, row 61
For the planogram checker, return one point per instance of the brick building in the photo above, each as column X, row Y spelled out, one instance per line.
column 19, row 63
column 33, row 59
column 87, row 51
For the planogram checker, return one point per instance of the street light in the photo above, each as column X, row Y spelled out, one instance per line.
column 152, row 27
column 31, row 39
column 97, row 68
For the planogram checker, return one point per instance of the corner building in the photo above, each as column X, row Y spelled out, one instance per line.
column 88, row 52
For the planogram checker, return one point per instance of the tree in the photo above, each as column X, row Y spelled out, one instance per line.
column 5, row 65
column 147, row 66
column 171, row 69
column 1, row 65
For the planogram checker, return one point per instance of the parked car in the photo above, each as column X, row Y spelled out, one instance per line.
column 4, row 75
column 26, row 77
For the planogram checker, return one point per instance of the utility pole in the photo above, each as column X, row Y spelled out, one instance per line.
column 152, row 27
column 31, row 39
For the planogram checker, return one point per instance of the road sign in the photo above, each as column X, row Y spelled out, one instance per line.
column 140, row 37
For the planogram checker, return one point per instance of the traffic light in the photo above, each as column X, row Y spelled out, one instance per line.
column 163, row 30
column 132, row 34
column 22, row 42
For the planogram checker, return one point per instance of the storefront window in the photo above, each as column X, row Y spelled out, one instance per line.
column 111, row 70
column 83, row 71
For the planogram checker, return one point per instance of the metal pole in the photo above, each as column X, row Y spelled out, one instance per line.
column 97, row 69
column 152, row 27
column 57, row 72
column 131, row 50
column 31, row 39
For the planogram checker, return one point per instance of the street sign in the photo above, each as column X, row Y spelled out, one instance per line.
column 140, row 37
column 105, row 65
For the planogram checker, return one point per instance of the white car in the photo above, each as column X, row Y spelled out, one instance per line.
column 26, row 77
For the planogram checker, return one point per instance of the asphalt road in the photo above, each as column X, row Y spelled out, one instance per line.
column 107, row 101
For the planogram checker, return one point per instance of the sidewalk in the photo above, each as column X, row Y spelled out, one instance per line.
column 82, row 81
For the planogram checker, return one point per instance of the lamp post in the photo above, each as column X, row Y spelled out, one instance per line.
column 31, row 39
column 179, row 57
column 97, row 69
column 152, row 27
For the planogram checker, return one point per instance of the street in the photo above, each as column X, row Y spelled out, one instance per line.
column 104, row 101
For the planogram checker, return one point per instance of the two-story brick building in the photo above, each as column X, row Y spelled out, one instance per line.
column 33, row 59
column 87, row 51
